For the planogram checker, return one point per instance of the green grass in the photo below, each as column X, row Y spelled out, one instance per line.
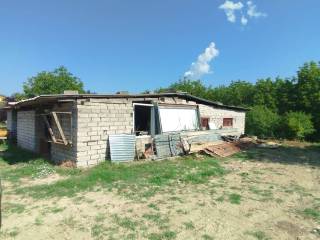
column 16, row 164
column 312, row 213
column 3, row 147
column 70, row 222
column 56, row 209
column 140, row 180
column 153, row 206
column 97, row 230
column 38, row 221
column 125, row 222
column 234, row 198
column 207, row 237
column 182, row 212
column 14, row 232
column 100, row 217
column 160, row 221
column 265, row 194
column 220, row 199
column 189, row 225
column 259, row 235
column 14, row 208
column 166, row 235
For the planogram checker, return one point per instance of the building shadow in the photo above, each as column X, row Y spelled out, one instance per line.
column 306, row 155
column 13, row 155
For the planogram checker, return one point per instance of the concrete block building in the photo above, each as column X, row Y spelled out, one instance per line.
column 77, row 127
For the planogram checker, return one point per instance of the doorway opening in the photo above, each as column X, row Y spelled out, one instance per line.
column 143, row 119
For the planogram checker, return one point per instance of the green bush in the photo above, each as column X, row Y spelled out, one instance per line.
column 262, row 122
column 297, row 125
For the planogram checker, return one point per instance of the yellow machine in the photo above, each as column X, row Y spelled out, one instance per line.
column 3, row 132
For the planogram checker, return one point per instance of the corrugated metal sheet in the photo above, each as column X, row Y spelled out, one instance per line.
column 207, row 136
column 168, row 145
column 122, row 147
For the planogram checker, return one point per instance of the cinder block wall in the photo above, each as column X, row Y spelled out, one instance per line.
column 97, row 118
column 26, row 130
column 216, row 116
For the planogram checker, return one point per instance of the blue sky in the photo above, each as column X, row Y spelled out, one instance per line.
column 130, row 45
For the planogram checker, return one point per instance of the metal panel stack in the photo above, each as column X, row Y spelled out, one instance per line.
column 168, row 145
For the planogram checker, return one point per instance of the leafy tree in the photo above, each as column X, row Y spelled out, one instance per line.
column 17, row 97
column 297, row 125
column 265, row 94
column 308, row 86
column 285, row 94
column 262, row 122
column 196, row 87
column 308, row 92
column 54, row 82
column 239, row 93
column 219, row 94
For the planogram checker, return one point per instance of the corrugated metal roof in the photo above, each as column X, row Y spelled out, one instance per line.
column 122, row 147
column 55, row 97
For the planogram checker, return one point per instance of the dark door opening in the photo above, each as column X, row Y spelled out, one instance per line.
column 142, row 119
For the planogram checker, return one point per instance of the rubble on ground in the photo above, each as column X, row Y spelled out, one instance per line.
column 231, row 145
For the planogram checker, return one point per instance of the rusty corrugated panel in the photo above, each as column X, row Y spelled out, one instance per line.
column 122, row 147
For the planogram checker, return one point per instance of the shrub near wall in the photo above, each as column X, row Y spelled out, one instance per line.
column 265, row 123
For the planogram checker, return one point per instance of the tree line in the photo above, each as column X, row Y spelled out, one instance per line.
column 283, row 108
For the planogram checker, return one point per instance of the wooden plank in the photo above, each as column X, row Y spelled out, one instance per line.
column 54, row 114
column 49, row 128
column 64, row 113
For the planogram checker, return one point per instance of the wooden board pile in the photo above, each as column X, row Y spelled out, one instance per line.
column 224, row 149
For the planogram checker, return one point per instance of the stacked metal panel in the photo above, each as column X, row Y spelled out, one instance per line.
column 168, row 145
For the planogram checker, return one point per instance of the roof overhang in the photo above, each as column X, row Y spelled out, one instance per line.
column 55, row 98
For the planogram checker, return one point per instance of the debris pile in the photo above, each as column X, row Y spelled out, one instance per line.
column 231, row 145
column 225, row 149
column 68, row 164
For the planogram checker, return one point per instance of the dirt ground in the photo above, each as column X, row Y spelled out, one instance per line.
column 254, row 200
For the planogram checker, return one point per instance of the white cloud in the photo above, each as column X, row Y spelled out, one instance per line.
column 252, row 11
column 229, row 8
column 202, row 65
column 244, row 20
